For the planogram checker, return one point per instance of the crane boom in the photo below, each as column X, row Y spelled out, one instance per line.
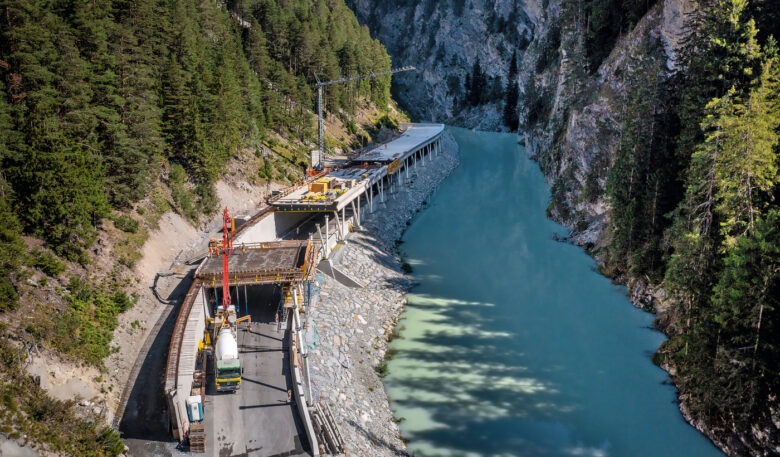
column 316, row 162
column 227, row 249
column 227, row 364
column 366, row 76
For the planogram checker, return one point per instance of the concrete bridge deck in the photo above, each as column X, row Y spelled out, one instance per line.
column 366, row 171
column 261, row 263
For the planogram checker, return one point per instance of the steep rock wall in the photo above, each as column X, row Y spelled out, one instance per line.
column 573, row 120
column 443, row 40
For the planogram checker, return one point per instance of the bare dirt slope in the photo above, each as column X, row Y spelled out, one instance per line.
column 158, row 279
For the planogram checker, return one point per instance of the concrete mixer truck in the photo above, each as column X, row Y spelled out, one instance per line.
column 227, row 365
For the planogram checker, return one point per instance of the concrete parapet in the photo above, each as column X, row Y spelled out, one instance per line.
column 299, row 392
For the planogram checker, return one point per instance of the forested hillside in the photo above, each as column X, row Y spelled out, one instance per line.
column 722, row 264
column 668, row 153
column 103, row 99
column 113, row 112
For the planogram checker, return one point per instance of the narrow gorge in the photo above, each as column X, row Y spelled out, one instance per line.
column 621, row 104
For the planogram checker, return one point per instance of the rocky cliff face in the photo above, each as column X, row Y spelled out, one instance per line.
column 444, row 40
column 571, row 117
column 573, row 120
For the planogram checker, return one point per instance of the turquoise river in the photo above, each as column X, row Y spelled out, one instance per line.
column 512, row 343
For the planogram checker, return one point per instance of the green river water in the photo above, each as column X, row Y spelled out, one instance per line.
column 512, row 343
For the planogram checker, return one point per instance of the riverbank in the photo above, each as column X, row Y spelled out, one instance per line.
column 348, row 328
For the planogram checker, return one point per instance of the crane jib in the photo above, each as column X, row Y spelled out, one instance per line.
column 227, row 248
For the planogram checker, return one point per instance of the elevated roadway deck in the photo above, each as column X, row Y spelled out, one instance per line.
column 364, row 172
column 262, row 263
column 414, row 138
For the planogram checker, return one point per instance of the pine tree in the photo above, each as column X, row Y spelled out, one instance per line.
column 11, row 251
column 722, row 54
column 746, row 169
column 476, row 85
column 746, row 304
column 636, row 184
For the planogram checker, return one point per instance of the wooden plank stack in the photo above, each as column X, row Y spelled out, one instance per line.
column 197, row 438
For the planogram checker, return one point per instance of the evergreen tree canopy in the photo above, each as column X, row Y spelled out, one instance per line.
column 98, row 96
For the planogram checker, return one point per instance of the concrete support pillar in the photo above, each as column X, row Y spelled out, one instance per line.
column 357, row 211
column 371, row 199
column 327, row 237
column 246, row 301
column 339, row 230
column 343, row 222
column 319, row 233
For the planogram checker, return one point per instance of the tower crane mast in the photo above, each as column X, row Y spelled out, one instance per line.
column 316, row 162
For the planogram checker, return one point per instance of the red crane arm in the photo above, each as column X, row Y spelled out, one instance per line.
column 227, row 249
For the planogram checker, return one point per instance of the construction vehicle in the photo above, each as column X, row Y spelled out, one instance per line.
column 227, row 364
column 227, row 374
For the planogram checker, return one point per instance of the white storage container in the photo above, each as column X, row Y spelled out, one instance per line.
column 194, row 408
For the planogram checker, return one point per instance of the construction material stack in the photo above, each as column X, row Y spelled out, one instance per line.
column 197, row 438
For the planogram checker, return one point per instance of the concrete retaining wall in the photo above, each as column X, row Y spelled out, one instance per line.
column 299, row 393
column 270, row 228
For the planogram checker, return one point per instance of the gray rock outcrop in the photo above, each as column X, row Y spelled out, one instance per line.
column 443, row 40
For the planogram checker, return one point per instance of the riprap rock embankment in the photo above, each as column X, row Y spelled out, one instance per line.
column 348, row 328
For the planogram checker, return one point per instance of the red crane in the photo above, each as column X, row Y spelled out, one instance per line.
column 227, row 249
